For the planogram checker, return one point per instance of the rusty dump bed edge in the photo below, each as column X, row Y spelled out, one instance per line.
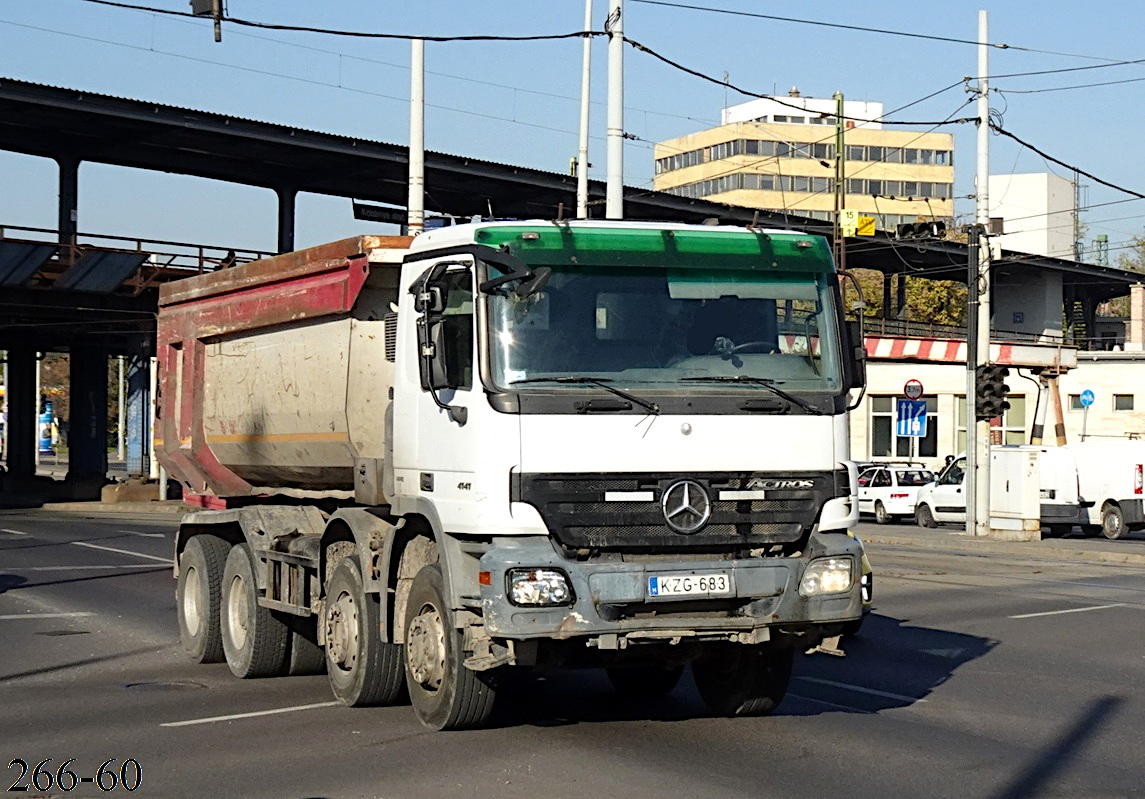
column 276, row 269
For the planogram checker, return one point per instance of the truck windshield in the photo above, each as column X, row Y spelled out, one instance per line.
column 652, row 328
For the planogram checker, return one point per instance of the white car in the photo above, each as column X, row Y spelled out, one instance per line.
column 943, row 500
column 888, row 491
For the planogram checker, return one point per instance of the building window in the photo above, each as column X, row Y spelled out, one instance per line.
column 1122, row 402
column 1009, row 428
column 1075, row 402
column 885, row 440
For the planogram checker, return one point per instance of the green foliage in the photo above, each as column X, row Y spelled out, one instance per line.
column 940, row 302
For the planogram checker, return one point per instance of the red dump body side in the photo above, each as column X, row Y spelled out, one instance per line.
column 296, row 287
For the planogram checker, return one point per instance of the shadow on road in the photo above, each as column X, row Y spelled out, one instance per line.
column 1053, row 760
column 8, row 581
column 16, row 582
column 890, row 665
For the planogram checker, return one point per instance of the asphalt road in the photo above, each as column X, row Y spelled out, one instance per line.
column 978, row 675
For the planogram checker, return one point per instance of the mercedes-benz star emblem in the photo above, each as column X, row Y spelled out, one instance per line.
column 686, row 506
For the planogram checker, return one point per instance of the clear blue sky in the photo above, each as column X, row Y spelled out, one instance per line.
column 518, row 102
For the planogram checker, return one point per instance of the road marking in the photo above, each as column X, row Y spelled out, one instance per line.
column 861, row 690
column 122, row 551
column 13, row 532
column 234, row 716
column 14, row 616
column 1069, row 610
column 81, row 568
column 144, row 535
column 829, row 704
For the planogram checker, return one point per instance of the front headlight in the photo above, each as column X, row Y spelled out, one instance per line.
column 539, row 587
column 827, row 576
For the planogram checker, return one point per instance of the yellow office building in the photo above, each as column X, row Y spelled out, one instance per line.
column 779, row 155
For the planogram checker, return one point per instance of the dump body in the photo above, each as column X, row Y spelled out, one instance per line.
column 274, row 374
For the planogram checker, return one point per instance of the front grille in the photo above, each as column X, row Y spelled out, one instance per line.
column 574, row 510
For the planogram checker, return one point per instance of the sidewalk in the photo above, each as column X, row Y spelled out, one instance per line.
column 1128, row 551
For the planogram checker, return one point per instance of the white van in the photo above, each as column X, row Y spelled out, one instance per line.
column 1110, row 473
column 1062, row 504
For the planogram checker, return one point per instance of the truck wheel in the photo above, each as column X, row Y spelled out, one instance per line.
column 1112, row 522
column 881, row 515
column 197, row 595
column 852, row 627
column 739, row 680
column 445, row 694
column 363, row 670
column 647, row 682
column 924, row 517
column 254, row 641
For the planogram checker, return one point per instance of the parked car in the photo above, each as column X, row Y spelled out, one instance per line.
column 888, row 490
column 1061, row 506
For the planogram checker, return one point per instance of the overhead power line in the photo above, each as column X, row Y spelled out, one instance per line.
column 356, row 34
column 1002, row 131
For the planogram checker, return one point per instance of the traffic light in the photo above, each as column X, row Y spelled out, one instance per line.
column 990, row 392
column 921, row 230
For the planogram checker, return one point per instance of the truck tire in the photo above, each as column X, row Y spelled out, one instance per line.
column 739, row 680
column 852, row 627
column 306, row 657
column 444, row 693
column 254, row 640
column 881, row 515
column 644, row 682
column 363, row 670
column 197, row 596
column 924, row 517
column 1113, row 522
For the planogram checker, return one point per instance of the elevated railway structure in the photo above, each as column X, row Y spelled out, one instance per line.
column 95, row 296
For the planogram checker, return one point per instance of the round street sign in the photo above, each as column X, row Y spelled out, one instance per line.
column 1087, row 398
column 913, row 389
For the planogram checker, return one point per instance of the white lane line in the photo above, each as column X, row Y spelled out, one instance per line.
column 87, row 568
column 234, row 716
column 829, row 704
column 122, row 551
column 14, row 616
column 861, row 690
column 13, row 532
column 144, row 535
column 1069, row 610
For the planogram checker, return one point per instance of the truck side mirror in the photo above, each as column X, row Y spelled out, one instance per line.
column 856, row 354
column 430, row 299
column 432, row 348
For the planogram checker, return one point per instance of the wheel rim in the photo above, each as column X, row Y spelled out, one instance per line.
column 238, row 612
column 342, row 632
column 192, row 613
column 425, row 648
column 1112, row 523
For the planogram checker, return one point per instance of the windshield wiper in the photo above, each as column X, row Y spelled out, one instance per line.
column 601, row 382
column 755, row 381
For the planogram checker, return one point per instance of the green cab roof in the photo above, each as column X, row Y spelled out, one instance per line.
column 643, row 245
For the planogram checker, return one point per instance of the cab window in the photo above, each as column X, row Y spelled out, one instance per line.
column 953, row 473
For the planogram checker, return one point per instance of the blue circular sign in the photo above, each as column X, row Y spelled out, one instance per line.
column 1087, row 398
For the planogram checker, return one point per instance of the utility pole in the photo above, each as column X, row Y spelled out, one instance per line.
column 981, row 474
column 210, row 8
column 840, row 187
column 582, row 152
column 415, row 206
column 614, row 200
column 973, row 241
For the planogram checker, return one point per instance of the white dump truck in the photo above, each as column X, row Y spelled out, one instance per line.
column 515, row 445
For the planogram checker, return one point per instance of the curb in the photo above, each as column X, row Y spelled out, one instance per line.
column 1057, row 549
column 173, row 509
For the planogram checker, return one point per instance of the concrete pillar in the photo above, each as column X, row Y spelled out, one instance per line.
column 1135, row 340
column 286, row 198
column 900, row 299
column 23, row 406
column 887, row 297
column 87, row 425
column 69, row 198
column 138, row 405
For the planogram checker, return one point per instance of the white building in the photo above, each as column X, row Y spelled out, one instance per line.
column 1038, row 213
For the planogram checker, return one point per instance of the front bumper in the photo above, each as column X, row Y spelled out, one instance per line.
column 612, row 607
